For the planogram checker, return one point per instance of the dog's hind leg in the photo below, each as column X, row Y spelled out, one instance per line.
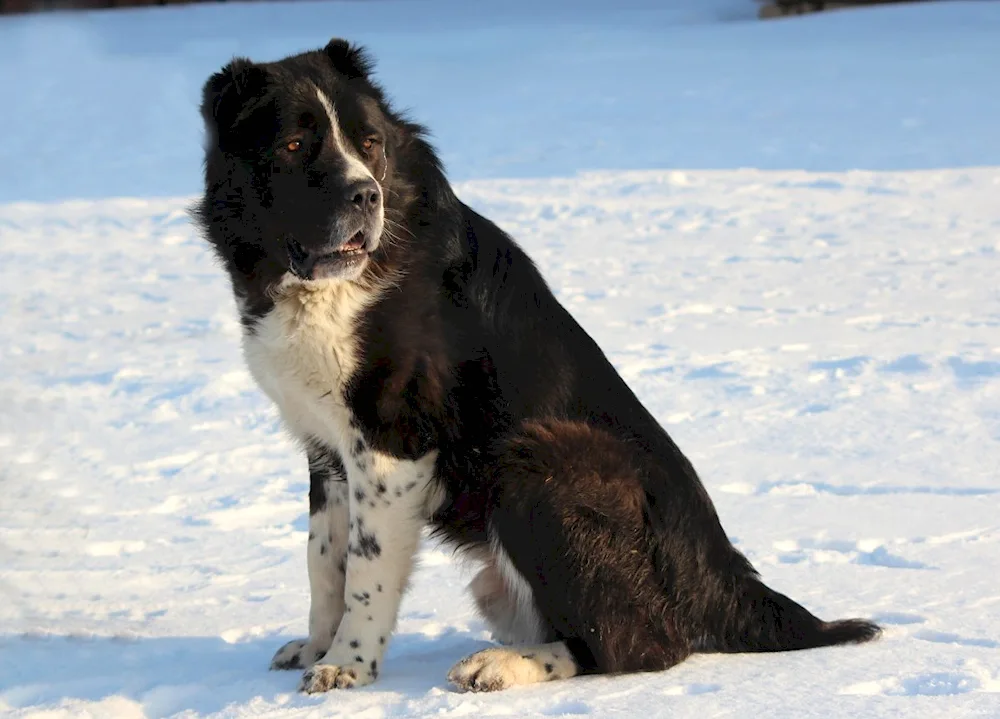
column 326, row 559
column 568, row 524
column 505, row 601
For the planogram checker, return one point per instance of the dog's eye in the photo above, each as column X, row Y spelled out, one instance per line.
column 294, row 145
column 369, row 143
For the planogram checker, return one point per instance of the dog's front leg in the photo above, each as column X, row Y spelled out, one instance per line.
column 389, row 501
column 326, row 559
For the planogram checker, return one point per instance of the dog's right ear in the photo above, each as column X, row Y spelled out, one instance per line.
column 228, row 91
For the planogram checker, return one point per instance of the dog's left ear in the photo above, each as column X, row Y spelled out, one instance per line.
column 349, row 60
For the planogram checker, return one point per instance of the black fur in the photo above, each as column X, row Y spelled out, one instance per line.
column 324, row 466
column 539, row 439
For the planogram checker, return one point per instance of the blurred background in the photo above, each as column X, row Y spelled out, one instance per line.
column 100, row 103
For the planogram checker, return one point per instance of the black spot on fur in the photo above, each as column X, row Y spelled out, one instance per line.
column 367, row 545
column 378, row 587
column 381, row 640
column 312, row 536
column 359, row 659
column 359, row 447
column 355, row 644
column 548, row 668
column 322, row 549
column 359, row 494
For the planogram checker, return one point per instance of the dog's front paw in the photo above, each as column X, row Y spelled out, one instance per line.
column 297, row 654
column 324, row 677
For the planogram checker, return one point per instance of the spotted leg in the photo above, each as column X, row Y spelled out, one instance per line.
column 326, row 557
column 389, row 501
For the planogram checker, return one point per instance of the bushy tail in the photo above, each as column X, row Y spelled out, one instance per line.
column 759, row 619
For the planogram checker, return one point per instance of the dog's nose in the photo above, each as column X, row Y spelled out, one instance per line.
column 364, row 194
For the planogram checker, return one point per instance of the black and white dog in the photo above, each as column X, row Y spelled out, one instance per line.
column 431, row 377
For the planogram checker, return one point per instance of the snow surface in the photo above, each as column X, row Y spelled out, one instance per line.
column 825, row 346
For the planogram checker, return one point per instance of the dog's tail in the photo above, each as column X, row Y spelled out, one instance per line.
column 759, row 619
column 722, row 601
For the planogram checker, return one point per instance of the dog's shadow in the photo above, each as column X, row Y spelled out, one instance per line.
column 168, row 675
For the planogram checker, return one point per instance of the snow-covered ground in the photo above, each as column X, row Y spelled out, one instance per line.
column 824, row 345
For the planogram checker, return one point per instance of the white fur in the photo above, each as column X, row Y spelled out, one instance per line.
column 523, row 625
column 504, row 667
column 325, row 554
column 391, row 518
column 303, row 351
column 301, row 354
column 358, row 170
column 327, row 548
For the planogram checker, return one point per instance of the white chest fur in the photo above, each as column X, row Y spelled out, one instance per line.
column 302, row 353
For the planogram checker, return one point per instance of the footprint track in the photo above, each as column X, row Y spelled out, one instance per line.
column 866, row 552
column 926, row 684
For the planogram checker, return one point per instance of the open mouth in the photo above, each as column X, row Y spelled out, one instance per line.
column 343, row 261
column 355, row 244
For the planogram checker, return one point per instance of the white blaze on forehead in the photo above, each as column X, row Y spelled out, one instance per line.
column 356, row 169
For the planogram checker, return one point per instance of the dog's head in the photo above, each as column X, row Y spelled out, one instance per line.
column 299, row 156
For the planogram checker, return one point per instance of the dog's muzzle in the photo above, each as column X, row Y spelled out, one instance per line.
column 343, row 261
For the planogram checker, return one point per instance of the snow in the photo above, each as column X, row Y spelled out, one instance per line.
column 823, row 342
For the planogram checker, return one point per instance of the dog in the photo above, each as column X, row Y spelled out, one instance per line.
column 432, row 378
